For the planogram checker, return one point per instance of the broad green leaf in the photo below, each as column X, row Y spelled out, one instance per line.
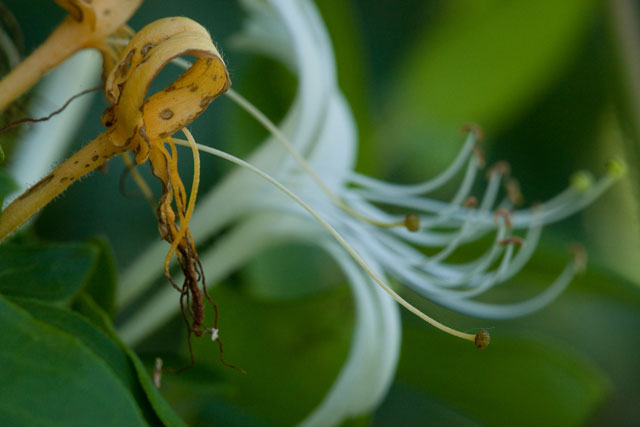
column 101, row 285
column 49, row 377
column 50, row 272
column 76, row 325
column 85, row 305
column 517, row 380
column 99, row 343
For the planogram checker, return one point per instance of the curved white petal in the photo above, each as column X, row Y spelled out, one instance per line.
column 370, row 366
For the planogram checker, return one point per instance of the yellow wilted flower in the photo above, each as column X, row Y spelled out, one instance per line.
column 144, row 125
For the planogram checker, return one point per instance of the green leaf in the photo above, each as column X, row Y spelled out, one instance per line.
column 516, row 380
column 100, row 343
column 85, row 305
column 49, row 377
column 51, row 272
column 101, row 285
column 80, row 328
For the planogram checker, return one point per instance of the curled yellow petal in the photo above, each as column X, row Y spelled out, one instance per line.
column 137, row 121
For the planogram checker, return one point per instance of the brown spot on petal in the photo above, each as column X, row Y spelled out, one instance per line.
column 125, row 65
column 206, row 100
column 146, row 48
column 166, row 114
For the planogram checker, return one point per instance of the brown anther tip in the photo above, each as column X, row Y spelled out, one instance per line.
column 471, row 202
column 504, row 214
column 480, row 157
column 472, row 127
column 512, row 186
column 482, row 339
column 579, row 257
column 412, row 222
column 502, row 168
column 513, row 240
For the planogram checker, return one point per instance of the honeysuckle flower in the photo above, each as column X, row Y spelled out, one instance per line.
column 258, row 215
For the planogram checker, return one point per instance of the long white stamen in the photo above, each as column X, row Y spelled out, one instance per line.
column 335, row 235
column 505, row 311
column 422, row 188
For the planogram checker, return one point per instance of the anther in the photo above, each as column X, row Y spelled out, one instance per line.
column 482, row 339
column 581, row 181
column 504, row 214
column 502, row 168
column 472, row 127
column 512, row 187
column 471, row 202
column 412, row 222
column 512, row 240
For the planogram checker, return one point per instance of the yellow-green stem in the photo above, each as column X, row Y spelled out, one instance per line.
column 35, row 198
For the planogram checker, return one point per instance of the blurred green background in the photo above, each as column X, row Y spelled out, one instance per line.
column 552, row 84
